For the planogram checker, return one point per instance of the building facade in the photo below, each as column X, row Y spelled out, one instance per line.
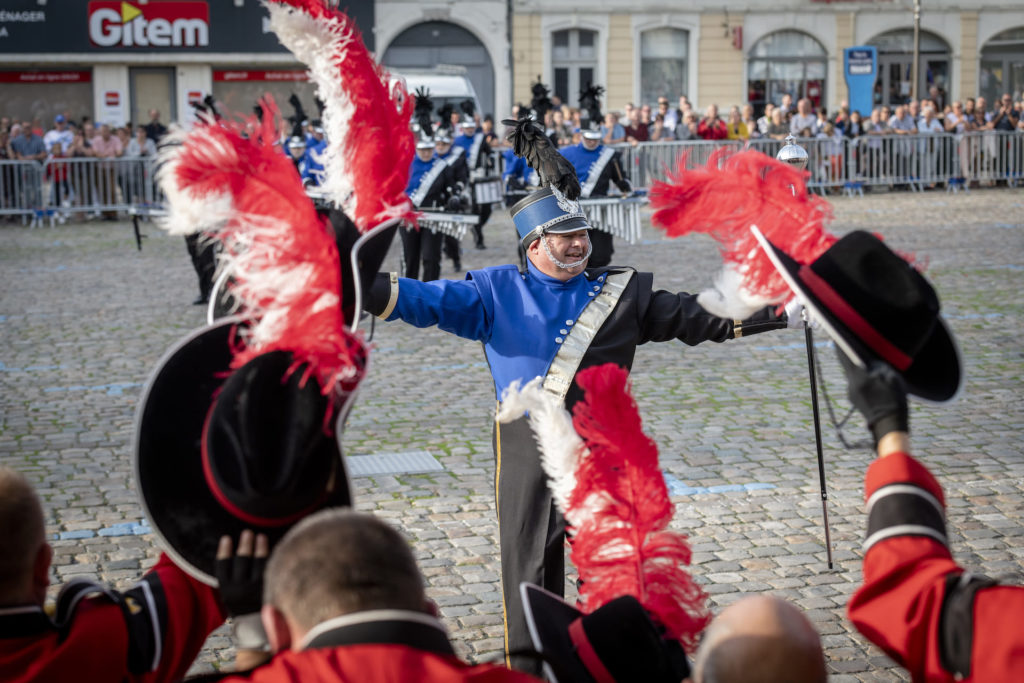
column 757, row 50
column 114, row 61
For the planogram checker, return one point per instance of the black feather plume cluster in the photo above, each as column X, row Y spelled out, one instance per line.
column 541, row 103
column 529, row 141
column 468, row 108
column 208, row 107
column 422, row 110
column 590, row 102
column 298, row 117
column 445, row 116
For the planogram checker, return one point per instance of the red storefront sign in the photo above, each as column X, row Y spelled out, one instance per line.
column 222, row 76
column 45, row 76
column 168, row 23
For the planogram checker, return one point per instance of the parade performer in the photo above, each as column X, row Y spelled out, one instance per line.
column 151, row 632
column 479, row 161
column 457, row 188
column 931, row 615
column 597, row 166
column 638, row 607
column 429, row 180
column 551, row 319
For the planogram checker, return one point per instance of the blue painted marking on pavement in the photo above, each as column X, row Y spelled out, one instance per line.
column 678, row 488
column 116, row 389
column 79, row 533
column 138, row 528
column 3, row 318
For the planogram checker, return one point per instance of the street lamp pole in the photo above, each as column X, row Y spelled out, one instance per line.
column 917, row 50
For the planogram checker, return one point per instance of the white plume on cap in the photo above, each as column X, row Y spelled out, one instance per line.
column 561, row 448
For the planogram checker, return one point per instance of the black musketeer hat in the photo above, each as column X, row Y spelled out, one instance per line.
column 218, row 451
column 876, row 306
column 615, row 643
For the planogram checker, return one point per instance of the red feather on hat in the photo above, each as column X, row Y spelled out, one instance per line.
column 229, row 180
column 723, row 199
column 621, row 543
column 366, row 118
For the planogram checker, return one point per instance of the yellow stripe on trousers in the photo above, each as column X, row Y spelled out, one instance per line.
column 497, row 510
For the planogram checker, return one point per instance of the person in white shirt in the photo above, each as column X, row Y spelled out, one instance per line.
column 803, row 118
column 929, row 125
column 59, row 133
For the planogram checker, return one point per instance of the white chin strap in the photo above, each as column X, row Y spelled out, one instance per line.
column 566, row 266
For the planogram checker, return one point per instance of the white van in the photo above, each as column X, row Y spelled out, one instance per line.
column 445, row 84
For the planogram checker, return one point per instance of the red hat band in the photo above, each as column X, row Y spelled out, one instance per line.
column 874, row 339
column 585, row 651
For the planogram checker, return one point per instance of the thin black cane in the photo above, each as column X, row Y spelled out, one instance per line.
column 809, row 339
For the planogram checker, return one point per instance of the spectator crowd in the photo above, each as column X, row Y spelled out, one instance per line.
column 111, row 182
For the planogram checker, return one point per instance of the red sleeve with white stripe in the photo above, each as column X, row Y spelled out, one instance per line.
column 906, row 563
column 181, row 611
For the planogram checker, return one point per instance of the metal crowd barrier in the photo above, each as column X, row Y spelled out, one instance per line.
column 59, row 188
column 900, row 161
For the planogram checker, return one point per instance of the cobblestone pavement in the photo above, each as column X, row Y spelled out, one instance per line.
column 84, row 317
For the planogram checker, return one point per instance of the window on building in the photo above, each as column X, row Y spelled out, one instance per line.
column 663, row 53
column 1002, row 66
column 574, row 62
column 786, row 62
column 895, row 66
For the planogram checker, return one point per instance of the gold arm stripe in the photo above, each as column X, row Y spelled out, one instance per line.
column 737, row 329
column 392, row 300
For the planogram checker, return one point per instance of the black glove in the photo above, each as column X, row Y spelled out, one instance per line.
column 240, row 583
column 240, row 580
column 454, row 204
column 879, row 393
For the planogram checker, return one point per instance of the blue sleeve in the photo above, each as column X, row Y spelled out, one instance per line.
column 463, row 307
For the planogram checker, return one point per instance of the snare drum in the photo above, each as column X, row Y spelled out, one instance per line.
column 488, row 191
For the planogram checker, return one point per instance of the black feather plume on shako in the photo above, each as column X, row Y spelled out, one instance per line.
column 590, row 102
column 468, row 108
column 541, row 103
column 206, row 108
column 319, row 106
column 529, row 141
column 445, row 116
column 422, row 110
column 298, row 117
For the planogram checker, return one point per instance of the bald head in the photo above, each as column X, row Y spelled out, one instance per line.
column 758, row 640
column 22, row 539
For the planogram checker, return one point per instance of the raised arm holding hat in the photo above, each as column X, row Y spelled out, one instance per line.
column 940, row 621
column 551, row 319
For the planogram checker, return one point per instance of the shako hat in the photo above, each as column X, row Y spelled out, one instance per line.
column 543, row 212
column 218, row 451
column 614, row 643
column 295, row 142
column 876, row 306
column 554, row 208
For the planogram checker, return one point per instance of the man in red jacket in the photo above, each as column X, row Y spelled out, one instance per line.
column 343, row 600
column 929, row 614
column 150, row 633
column 711, row 127
column 939, row 620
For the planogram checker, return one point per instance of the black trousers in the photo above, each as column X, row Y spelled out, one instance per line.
column 422, row 244
column 531, row 532
column 484, row 211
column 453, row 250
column 204, row 260
column 603, row 249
